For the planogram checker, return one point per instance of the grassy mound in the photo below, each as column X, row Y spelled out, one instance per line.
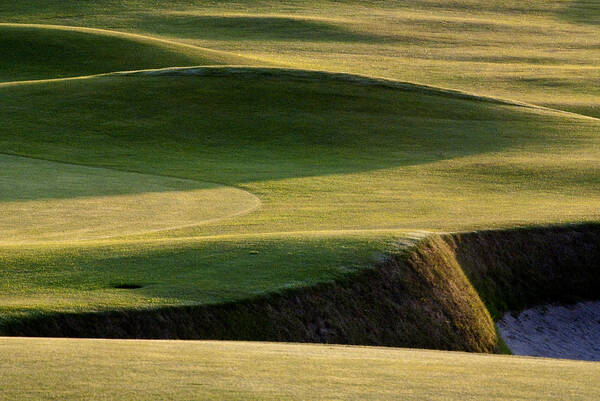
column 321, row 153
column 44, row 279
column 343, row 166
column 421, row 299
column 536, row 51
column 31, row 52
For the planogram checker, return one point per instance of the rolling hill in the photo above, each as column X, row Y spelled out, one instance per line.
column 298, row 172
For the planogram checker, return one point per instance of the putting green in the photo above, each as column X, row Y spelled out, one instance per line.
column 43, row 200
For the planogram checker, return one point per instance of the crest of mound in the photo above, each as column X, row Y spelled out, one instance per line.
column 307, row 75
column 35, row 52
column 49, row 201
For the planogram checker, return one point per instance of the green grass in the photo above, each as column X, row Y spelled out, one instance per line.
column 536, row 51
column 40, row 52
column 52, row 201
column 322, row 155
column 38, row 279
column 158, row 370
column 237, row 183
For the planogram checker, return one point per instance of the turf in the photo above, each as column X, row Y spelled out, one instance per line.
column 158, row 370
column 44, row 200
column 533, row 51
column 52, row 278
column 144, row 190
column 34, row 52
column 321, row 155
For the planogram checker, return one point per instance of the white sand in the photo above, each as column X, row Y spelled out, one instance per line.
column 555, row 331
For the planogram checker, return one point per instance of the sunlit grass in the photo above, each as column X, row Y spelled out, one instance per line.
column 316, row 178
column 43, row 201
column 56, row 277
column 321, row 155
column 158, row 370
column 536, row 51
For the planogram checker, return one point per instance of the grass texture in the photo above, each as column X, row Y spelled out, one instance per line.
column 536, row 51
column 322, row 155
column 222, row 183
column 158, row 370
column 52, row 201
column 34, row 52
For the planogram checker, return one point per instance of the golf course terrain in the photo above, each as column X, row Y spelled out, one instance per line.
column 372, row 174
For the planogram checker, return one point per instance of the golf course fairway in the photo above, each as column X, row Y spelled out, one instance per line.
column 357, row 173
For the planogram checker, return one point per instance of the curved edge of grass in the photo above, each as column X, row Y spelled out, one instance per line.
column 132, row 36
column 358, row 79
column 249, row 70
column 436, row 294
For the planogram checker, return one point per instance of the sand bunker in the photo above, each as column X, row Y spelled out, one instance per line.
column 555, row 331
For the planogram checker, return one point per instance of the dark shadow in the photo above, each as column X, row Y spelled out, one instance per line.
column 582, row 12
column 28, row 53
column 127, row 286
column 26, row 179
column 241, row 28
column 247, row 127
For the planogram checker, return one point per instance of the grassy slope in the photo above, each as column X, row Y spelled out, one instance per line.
column 44, row 200
column 320, row 154
column 158, row 370
column 473, row 158
column 41, row 52
column 536, row 51
column 79, row 278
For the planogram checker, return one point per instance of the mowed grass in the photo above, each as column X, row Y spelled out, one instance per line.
column 54, row 278
column 64, row 369
column 346, row 173
column 33, row 52
column 321, row 154
column 44, row 201
column 535, row 51
column 343, row 171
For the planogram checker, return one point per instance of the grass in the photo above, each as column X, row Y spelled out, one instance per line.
column 539, row 52
column 322, row 155
column 38, row 279
column 34, row 52
column 52, row 201
column 157, row 370
column 202, row 189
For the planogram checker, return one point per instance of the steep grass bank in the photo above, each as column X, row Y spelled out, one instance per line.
column 517, row 269
column 421, row 298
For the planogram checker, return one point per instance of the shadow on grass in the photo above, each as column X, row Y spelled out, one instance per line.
column 254, row 28
column 39, row 53
column 26, row 179
column 245, row 128
column 582, row 12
